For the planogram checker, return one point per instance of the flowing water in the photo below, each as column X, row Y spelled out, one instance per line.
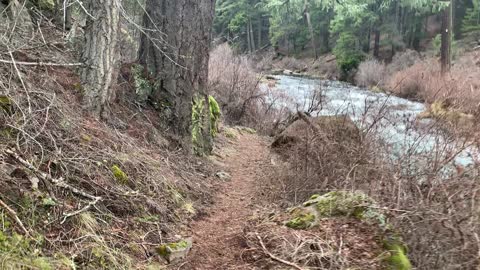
column 394, row 119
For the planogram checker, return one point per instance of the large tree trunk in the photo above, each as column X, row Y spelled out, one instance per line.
column 177, row 53
column 100, row 55
column 446, row 47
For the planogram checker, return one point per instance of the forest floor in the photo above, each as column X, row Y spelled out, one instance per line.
column 219, row 237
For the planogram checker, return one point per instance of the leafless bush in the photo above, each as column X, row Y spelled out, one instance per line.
column 233, row 82
column 291, row 63
column 424, row 80
column 370, row 73
column 403, row 60
column 244, row 98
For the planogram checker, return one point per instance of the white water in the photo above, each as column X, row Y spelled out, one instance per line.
column 398, row 127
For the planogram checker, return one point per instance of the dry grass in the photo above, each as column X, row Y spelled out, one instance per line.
column 370, row 73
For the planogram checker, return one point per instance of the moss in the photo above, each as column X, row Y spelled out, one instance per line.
column 198, row 118
column 249, row 130
column 397, row 259
column 119, row 175
column 215, row 114
column 6, row 104
column 230, row 133
column 301, row 221
column 361, row 207
column 165, row 249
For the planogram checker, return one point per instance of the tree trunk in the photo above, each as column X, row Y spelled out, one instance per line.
column 445, row 50
column 100, row 54
column 376, row 46
column 252, row 38
column 177, row 53
column 260, row 28
column 249, row 42
column 310, row 27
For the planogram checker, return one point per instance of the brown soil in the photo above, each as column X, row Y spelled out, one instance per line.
column 219, row 238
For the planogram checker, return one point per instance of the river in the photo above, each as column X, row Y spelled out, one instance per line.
column 394, row 120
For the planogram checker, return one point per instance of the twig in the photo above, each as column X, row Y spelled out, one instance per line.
column 305, row 118
column 275, row 258
column 41, row 63
column 59, row 182
column 88, row 206
column 14, row 216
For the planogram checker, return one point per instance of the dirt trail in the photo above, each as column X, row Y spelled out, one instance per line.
column 218, row 237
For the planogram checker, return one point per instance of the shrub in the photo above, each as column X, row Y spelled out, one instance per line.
column 370, row 73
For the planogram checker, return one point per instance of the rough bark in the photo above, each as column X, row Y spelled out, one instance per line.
column 310, row 27
column 376, row 46
column 177, row 53
column 445, row 50
column 100, row 55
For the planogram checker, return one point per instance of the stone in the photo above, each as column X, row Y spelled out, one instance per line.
column 223, row 175
column 176, row 251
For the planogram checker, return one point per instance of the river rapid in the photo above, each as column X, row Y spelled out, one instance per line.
column 392, row 119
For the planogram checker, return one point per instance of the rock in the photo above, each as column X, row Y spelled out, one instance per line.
column 287, row 72
column 223, row 176
column 271, row 78
column 177, row 251
column 277, row 71
column 355, row 205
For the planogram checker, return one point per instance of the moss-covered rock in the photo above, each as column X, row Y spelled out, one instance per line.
column 355, row 205
column 175, row 251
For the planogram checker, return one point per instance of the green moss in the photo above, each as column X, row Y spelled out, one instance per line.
column 119, row 175
column 6, row 104
column 165, row 249
column 397, row 259
column 301, row 221
column 215, row 114
column 361, row 207
column 198, row 118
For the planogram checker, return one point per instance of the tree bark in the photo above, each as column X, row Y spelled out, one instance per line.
column 310, row 27
column 100, row 54
column 252, row 38
column 445, row 50
column 376, row 46
column 177, row 53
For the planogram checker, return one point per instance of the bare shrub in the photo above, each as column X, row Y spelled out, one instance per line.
column 291, row 63
column 370, row 73
column 424, row 81
column 403, row 60
column 233, row 82
column 244, row 98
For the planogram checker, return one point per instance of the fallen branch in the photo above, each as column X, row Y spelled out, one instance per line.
column 59, row 182
column 14, row 217
column 304, row 117
column 275, row 258
column 40, row 63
